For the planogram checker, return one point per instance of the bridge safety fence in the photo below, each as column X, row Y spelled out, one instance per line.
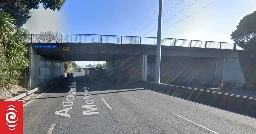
column 115, row 39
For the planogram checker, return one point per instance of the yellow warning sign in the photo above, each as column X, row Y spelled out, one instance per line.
column 66, row 49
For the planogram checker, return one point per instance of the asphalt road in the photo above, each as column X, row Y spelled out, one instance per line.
column 76, row 106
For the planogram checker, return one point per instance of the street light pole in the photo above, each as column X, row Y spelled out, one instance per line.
column 158, row 48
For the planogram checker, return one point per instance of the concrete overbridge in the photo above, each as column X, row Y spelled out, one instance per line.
column 132, row 58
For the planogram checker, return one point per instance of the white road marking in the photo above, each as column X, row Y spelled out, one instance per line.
column 195, row 123
column 106, row 103
column 41, row 94
column 50, row 129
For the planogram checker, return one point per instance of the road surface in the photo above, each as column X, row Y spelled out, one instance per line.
column 76, row 106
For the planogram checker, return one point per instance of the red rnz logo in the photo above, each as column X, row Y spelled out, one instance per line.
column 11, row 117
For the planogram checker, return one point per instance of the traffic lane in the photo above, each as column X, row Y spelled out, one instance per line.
column 82, row 120
column 136, row 116
column 117, row 114
column 218, row 120
column 39, row 114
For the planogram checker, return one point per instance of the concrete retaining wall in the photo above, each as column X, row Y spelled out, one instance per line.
column 128, row 70
column 235, row 103
column 188, row 71
column 43, row 69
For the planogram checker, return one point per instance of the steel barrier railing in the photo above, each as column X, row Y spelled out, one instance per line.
column 115, row 39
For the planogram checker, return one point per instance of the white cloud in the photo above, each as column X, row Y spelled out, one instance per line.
column 45, row 20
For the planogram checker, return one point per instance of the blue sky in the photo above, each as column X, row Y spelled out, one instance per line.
column 139, row 17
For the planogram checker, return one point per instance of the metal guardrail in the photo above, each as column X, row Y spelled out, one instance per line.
column 115, row 39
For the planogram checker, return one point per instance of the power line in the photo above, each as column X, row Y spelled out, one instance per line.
column 186, row 8
column 175, row 5
column 184, row 18
column 192, row 14
column 147, row 18
column 143, row 21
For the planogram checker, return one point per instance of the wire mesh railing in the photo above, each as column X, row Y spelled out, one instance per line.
column 169, row 42
column 115, row 39
column 182, row 43
column 130, row 40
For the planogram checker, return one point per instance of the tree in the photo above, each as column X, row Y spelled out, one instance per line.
column 19, row 9
column 48, row 37
column 245, row 30
column 99, row 65
column 67, row 65
column 13, row 50
column 245, row 37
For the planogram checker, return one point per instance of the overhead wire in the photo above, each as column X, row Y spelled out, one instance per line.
column 183, row 18
column 186, row 8
column 175, row 5
column 146, row 19
column 192, row 14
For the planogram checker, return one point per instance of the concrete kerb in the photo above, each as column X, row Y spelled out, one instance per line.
column 244, row 101
column 193, row 94
column 236, row 103
column 185, row 92
column 250, row 105
column 169, row 91
column 207, row 96
column 199, row 96
column 227, row 101
column 217, row 99
column 167, row 88
column 172, row 90
column 36, row 89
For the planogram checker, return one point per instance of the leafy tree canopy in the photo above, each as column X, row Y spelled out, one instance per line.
column 245, row 37
column 13, row 51
column 245, row 31
column 48, row 37
column 19, row 9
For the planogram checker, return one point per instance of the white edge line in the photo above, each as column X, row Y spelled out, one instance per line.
column 50, row 129
column 195, row 123
column 106, row 103
column 41, row 94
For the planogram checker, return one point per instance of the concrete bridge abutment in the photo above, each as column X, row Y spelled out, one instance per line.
column 42, row 69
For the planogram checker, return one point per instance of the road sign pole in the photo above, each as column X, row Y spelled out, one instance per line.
column 158, row 49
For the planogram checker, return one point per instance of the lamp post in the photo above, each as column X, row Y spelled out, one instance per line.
column 158, row 47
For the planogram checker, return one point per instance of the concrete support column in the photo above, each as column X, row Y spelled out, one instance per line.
column 110, row 69
column 33, row 67
column 144, row 68
column 232, row 72
column 61, row 69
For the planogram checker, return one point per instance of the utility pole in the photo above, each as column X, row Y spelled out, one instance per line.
column 158, row 47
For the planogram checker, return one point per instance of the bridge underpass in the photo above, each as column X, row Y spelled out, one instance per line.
column 133, row 61
column 75, row 105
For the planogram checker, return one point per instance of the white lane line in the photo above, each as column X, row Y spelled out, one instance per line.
column 41, row 94
column 50, row 129
column 195, row 123
column 106, row 103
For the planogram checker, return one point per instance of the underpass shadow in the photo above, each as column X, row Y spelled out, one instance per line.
column 62, row 87
column 197, row 98
column 83, row 82
column 111, row 92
